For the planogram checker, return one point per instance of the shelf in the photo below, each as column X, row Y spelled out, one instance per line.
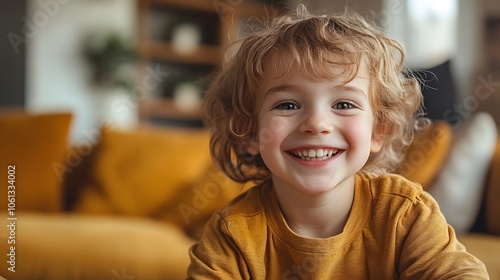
column 204, row 5
column 166, row 52
column 166, row 108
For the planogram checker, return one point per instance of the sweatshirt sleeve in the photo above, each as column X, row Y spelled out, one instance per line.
column 430, row 249
column 216, row 255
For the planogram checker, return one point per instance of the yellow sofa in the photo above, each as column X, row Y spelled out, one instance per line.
column 129, row 204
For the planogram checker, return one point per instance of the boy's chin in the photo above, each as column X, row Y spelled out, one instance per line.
column 317, row 187
column 322, row 186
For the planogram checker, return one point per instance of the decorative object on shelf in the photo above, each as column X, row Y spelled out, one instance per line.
column 186, row 38
column 112, row 59
column 166, row 24
column 187, row 96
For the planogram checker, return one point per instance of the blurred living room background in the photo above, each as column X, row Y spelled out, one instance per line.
column 136, row 61
column 133, row 202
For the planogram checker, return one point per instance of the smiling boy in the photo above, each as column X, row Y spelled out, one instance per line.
column 321, row 136
column 317, row 111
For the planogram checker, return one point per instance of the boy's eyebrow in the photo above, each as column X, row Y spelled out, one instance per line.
column 353, row 89
column 285, row 87
column 282, row 87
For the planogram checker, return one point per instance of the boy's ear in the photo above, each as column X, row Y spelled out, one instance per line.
column 378, row 138
column 253, row 148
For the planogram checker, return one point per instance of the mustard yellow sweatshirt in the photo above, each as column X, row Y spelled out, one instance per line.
column 394, row 231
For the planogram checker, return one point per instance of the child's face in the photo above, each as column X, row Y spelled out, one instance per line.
column 314, row 134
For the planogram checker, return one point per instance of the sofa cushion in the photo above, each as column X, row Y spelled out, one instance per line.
column 426, row 154
column 36, row 145
column 492, row 214
column 139, row 172
column 66, row 247
column 459, row 186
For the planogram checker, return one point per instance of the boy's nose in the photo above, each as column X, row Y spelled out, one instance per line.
column 316, row 123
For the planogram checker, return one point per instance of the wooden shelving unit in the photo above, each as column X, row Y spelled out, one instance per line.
column 217, row 22
column 193, row 4
column 166, row 52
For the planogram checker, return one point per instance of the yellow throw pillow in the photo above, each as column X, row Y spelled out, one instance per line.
column 138, row 172
column 195, row 204
column 426, row 154
column 32, row 148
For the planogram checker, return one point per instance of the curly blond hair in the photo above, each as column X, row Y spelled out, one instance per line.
column 232, row 101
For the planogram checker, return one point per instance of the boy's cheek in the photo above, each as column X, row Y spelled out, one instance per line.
column 277, row 124
column 271, row 128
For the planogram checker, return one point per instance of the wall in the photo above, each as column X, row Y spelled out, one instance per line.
column 468, row 59
column 57, row 74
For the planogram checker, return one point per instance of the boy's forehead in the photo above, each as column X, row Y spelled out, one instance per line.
column 283, row 65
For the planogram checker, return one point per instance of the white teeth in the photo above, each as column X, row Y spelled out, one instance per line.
column 312, row 153
column 319, row 153
column 315, row 154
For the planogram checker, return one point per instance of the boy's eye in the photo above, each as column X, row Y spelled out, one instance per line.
column 343, row 105
column 287, row 106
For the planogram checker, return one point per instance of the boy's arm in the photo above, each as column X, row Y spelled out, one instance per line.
column 430, row 249
column 216, row 256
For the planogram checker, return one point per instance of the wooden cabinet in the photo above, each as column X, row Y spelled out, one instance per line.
column 185, row 41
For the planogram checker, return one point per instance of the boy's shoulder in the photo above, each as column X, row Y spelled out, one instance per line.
column 390, row 184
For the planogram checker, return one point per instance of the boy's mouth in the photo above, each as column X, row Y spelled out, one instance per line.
column 313, row 154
